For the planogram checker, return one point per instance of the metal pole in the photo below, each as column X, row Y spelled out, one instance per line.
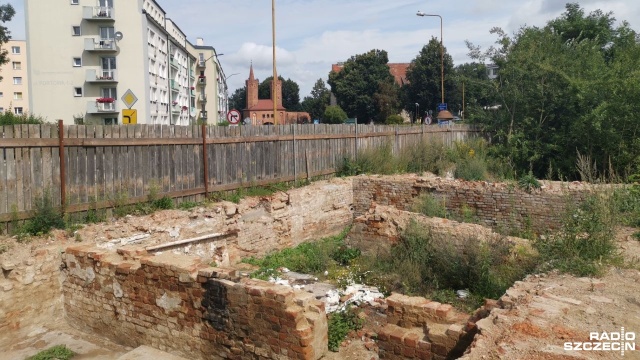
column 463, row 101
column 274, row 95
column 441, row 58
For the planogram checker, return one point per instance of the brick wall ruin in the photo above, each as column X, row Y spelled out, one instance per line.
column 498, row 205
column 418, row 328
column 30, row 290
column 177, row 304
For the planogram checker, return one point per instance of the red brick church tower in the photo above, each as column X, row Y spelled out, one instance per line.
column 260, row 111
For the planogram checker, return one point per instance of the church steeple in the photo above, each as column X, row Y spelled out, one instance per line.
column 252, row 89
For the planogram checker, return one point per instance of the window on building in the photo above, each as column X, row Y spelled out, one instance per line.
column 1, row 94
column 15, row 49
column 18, row 110
column 77, row 61
column 17, row 96
column 107, row 32
column 77, row 91
column 75, row 2
column 17, row 80
column 105, row 3
column 17, row 65
column 75, row 30
column 1, row 109
column 111, row 121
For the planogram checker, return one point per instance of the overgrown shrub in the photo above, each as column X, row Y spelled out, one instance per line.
column 585, row 244
column 528, row 182
column 430, row 205
column 9, row 118
column 394, row 120
column 471, row 169
column 46, row 216
column 486, row 268
column 340, row 324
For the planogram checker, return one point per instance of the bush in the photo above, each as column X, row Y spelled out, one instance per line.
column 9, row 118
column 46, row 216
column 334, row 115
column 394, row 120
column 430, row 205
column 340, row 324
column 485, row 268
column 472, row 169
column 585, row 243
column 528, row 182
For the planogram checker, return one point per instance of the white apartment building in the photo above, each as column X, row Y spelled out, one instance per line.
column 96, row 60
column 211, row 86
column 14, row 91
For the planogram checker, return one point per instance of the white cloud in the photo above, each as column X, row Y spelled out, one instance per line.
column 313, row 34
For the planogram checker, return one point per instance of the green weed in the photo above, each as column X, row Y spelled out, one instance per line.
column 58, row 352
column 430, row 205
column 46, row 216
column 340, row 324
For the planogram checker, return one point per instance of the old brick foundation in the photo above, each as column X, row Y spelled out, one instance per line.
column 177, row 304
column 497, row 205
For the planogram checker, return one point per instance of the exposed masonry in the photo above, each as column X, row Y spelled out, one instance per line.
column 497, row 205
column 177, row 304
column 180, row 304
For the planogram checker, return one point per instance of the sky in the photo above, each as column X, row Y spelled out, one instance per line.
column 313, row 34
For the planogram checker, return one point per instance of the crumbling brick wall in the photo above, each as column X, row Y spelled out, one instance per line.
column 30, row 290
column 418, row 328
column 498, row 205
column 177, row 304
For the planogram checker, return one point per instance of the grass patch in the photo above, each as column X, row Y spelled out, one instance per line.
column 308, row 257
column 254, row 191
column 58, row 352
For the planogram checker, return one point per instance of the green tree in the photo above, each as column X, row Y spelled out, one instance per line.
column 424, row 77
column 334, row 115
column 290, row 92
column 238, row 100
column 566, row 91
column 472, row 83
column 317, row 102
column 356, row 85
column 6, row 14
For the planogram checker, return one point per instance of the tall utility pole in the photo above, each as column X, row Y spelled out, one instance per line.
column 274, row 85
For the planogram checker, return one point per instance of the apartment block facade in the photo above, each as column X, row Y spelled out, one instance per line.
column 110, row 62
column 14, row 90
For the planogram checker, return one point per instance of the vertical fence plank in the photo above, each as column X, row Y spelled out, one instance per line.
column 4, row 209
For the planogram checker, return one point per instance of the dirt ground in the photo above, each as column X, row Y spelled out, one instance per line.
column 547, row 310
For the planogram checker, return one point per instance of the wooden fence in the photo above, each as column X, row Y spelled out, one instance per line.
column 85, row 166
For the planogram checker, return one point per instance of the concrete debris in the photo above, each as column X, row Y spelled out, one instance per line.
column 135, row 239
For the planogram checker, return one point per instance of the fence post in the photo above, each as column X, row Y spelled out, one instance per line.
column 205, row 161
column 295, row 163
column 63, row 170
column 355, row 156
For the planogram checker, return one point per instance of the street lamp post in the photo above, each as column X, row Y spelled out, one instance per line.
column 444, row 114
column 275, row 76
column 417, row 112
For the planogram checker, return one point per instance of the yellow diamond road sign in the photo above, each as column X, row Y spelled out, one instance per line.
column 129, row 99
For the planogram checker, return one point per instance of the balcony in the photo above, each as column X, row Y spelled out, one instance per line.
column 202, row 64
column 100, row 45
column 174, row 63
column 203, row 115
column 174, row 85
column 94, row 107
column 202, row 98
column 202, row 80
column 98, row 13
column 101, row 76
